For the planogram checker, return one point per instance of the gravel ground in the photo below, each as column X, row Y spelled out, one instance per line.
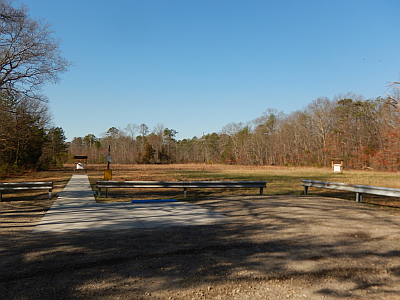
column 270, row 247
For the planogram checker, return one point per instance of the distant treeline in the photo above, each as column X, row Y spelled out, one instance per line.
column 363, row 133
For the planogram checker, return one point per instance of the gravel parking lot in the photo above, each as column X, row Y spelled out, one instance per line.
column 270, row 247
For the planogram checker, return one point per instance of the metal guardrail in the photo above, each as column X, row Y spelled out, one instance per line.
column 355, row 188
column 180, row 184
column 36, row 185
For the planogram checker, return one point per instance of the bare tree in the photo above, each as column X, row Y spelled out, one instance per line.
column 29, row 55
column 392, row 101
column 319, row 123
column 131, row 129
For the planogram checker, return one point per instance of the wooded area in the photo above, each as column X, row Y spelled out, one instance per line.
column 29, row 58
column 364, row 133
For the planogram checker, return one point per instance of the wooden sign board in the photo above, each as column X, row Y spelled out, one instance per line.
column 108, row 174
column 337, row 166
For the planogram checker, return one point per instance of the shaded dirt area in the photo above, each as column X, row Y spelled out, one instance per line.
column 271, row 247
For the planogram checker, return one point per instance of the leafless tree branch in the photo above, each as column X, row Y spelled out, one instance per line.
column 29, row 55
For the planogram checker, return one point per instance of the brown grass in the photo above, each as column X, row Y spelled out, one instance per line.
column 59, row 178
column 280, row 180
column 176, row 172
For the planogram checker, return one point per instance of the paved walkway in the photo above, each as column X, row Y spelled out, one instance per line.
column 76, row 210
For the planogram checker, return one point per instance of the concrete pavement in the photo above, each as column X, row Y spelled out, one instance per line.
column 76, row 210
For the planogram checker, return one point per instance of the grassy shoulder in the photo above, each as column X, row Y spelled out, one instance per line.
column 280, row 180
column 59, row 177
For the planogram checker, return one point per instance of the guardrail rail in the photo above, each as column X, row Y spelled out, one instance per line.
column 16, row 186
column 180, row 184
column 355, row 188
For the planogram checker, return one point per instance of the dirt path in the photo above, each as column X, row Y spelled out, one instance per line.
column 272, row 247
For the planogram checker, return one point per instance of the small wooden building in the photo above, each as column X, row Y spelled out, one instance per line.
column 337, row 165
column 80, row 162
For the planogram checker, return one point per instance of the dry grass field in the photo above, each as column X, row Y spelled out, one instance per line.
column 59, row 178
column 280, row 181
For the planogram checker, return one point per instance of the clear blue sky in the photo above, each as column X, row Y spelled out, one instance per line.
column 198, row 65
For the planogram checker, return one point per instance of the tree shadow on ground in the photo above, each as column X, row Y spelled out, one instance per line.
column 267, row 239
